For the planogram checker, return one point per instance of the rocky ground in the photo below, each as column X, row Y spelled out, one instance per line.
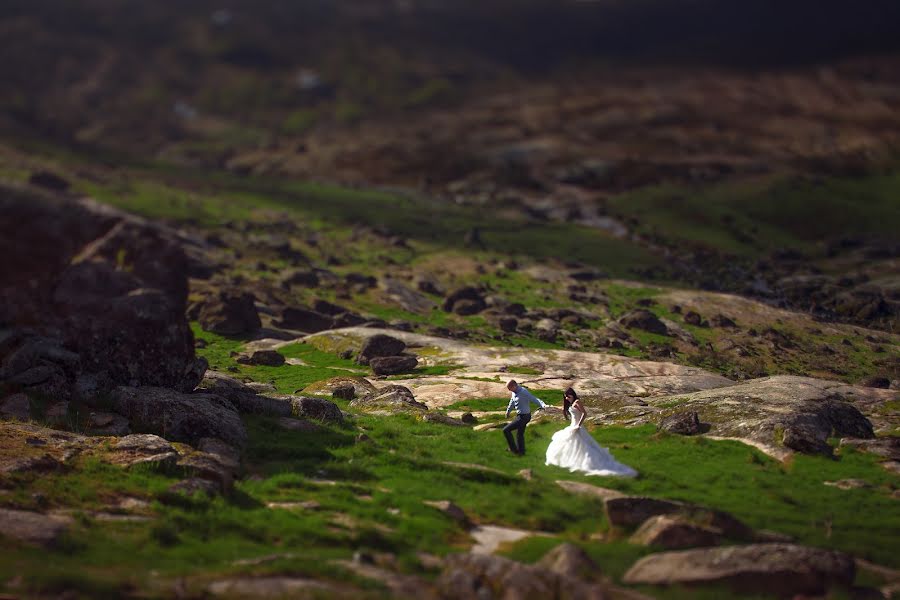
column 265, row 271
column 186, row 368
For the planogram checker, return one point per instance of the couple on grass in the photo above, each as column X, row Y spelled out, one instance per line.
column 573, row 447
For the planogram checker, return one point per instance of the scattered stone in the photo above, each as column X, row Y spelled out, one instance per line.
column 451, row 510
column 876, row 382
column 380, row 345
column 31, row 527
column 393, row 365
column 483, row 575
column 300, row 277
column 180, row 417
column 675, row 531
column 693, row 318
column 269, row 358
column 722, row 321
column 344, row 392
column 526, row 474
column 488, row 426
column 104, row 423
column 142, row 449
column 307, row 321
column 782, row 569
column 195, row 485
column 849, row 484
column 227, row 455
column 464, row 301
column 316, row 409
column 436, row 417
column 211, row 467
column 243, row 396
column 570, row 561
column 274, row 587
column 644, row 320
column 229, row 313
column 682, row 423
column 468, row 418
column 361, row 386
column 576, row 487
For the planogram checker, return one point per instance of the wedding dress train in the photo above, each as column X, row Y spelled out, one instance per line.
column 575, row 449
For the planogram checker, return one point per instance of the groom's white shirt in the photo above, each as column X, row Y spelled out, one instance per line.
column 521, row 401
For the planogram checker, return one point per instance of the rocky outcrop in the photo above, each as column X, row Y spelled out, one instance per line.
column 781, row 569
column 797, row 413
column 682, row 423
column 179, row 417
column 102, row 292
column 303, row 319
column 361, row 386
column 389, row 400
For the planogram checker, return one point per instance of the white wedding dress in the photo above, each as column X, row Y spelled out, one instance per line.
column 575, row 449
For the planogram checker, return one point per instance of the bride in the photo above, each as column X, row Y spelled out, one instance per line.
column 575, row 449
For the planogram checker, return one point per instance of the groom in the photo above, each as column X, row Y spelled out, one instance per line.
column 521, row 400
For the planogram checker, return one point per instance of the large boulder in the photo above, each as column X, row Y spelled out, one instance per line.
column 393, row 365
column 675, row 531
column 229, row 313
column 179, row 417
column 682, row 423
column 380, row 345
column 779, row 569
column 108, row 287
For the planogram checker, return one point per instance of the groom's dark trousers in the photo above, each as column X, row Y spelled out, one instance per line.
column 519, row 424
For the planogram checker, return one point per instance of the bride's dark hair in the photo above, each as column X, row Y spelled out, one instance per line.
column 566, row 404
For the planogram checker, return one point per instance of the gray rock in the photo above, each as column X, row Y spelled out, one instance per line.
column 393, row 365
column 781, row 569
column 104, row 423
column 569, row 560
column 142, row 449
column 489, row 576
column 316, row 409
column 361, row 386
column 229, row 313
column 269, row 358
column 305, row 320
column 451, row 510
column 682, row 423
column 243, row 396
column 180, row 417
column 464, row 301
column 344, row 392
column 391, row 399
column 436, row 417
column 675, row 531
column 380, row 345
column 644, row 320
column 31, row 527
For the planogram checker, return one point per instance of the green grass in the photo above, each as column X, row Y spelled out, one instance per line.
column 553, row 397
column 381, row 485
column 747, row 218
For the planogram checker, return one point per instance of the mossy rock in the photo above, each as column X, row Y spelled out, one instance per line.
column 361, row 386
column 335, row 343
